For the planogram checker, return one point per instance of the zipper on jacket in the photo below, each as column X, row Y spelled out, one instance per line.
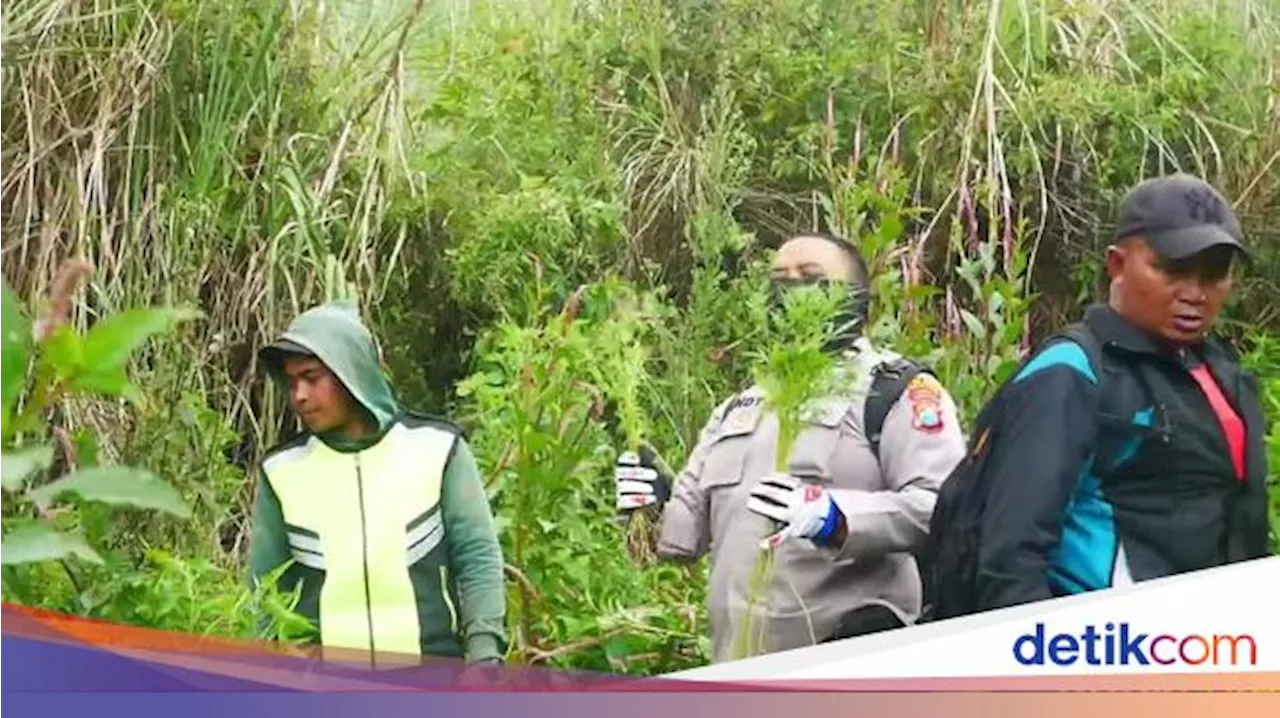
column 444, row 593
column 364, row 555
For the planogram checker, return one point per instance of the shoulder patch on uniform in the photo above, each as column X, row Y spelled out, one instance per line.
column 924, row 394
column 1062, row 353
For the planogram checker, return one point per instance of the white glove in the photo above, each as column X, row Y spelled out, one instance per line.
column 805, row 508
column 638, row 483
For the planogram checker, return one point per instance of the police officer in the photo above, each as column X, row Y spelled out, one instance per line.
column 852, row 511
column 1136, row 450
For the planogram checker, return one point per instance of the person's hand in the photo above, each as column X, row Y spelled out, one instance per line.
column 805, row 509
column 638, row 482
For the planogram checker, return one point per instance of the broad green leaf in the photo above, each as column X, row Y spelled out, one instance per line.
column 64, row 351
column 1010, row 334
column 111, row 381
column 113, row 339
column 36, row 542
column 994, row 304
column 974, row 324
column 86, row 447
column 1004, row 370
column 618, row 648
column 116, row 485
column 18, row 465
column 15, row 349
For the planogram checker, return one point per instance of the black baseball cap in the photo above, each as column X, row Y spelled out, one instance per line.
column 1179, row 215
column 274, row 354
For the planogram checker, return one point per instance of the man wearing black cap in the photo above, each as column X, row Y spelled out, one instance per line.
column 1160, row 471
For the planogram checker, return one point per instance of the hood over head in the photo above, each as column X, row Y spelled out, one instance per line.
column 334, row 333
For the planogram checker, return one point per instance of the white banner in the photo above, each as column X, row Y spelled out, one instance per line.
column 1224, row 619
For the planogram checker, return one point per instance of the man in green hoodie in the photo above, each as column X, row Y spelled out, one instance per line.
column 381, row 511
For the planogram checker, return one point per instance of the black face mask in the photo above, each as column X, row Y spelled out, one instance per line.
column 849, row 319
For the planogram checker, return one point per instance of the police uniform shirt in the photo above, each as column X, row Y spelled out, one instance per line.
column 887, row 504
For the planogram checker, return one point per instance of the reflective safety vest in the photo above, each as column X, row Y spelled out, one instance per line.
column 367, row 537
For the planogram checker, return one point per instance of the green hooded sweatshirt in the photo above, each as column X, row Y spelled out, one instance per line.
column 390, row 537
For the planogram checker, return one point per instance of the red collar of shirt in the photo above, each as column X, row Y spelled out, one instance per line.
column 1228, row 419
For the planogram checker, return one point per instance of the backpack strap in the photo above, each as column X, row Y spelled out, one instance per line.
column 888, row 382
column 891, row 378
column 1080, row 334
column 947, row 559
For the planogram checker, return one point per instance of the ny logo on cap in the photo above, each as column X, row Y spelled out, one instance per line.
column 1204, row 206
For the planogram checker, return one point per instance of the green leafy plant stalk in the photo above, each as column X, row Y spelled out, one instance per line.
column 64, row 363
column 621, row 376
column 795, row 370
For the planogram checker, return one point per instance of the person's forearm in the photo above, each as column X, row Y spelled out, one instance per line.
column 476, row 556
column 875, row 523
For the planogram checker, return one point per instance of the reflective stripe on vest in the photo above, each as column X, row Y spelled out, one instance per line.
column 364, row 518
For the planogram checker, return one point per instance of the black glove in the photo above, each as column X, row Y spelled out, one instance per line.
column 639, row 482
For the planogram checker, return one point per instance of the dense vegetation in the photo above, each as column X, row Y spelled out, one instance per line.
column 554, row 214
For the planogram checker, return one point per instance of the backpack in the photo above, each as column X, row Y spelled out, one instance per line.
column 948, row 559
column 888, row 382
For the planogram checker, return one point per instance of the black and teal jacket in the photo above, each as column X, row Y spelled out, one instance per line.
column 1110, row 474
column 391, row 539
